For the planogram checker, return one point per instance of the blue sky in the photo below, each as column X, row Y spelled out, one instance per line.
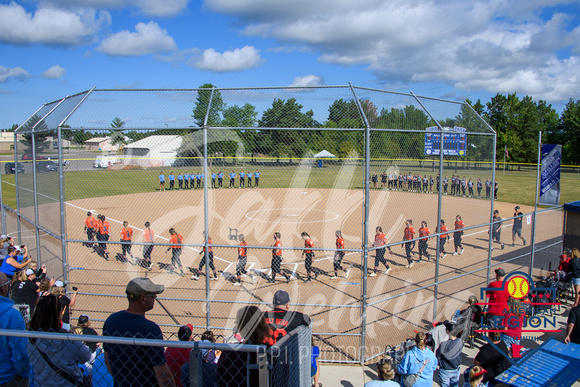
column 453, row 49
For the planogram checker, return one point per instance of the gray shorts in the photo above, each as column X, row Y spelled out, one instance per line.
column 517, row 231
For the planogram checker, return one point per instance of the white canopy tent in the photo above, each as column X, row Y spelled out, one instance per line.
column 324, row 155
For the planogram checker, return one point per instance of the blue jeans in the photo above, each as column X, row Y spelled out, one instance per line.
column 449, row 378
column 509, row 340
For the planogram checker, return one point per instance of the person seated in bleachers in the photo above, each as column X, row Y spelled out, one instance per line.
column 177, row 357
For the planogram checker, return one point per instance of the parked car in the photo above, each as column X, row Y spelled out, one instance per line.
column 102, row 161
column 46, row 166
column 10, row 168
column 28, row 156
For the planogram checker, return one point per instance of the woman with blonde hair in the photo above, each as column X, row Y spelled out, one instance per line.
column 476, row 377
column 419, row 364
column 574, row 269
column 67, row 303
column 385, row 374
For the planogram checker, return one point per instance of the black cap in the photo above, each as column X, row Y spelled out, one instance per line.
column 83, row 319
column 185, row 332
column 517, row 207
column 495, row 211
column 500, row 272
column 281, row 297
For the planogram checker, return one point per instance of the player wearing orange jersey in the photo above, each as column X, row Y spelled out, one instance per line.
column 423, row 233
column 380, row 240
column 176, row 241
column 126, row 236
column 409, row 234
column 103, row 231
column 338, row 256
column 148, row 237
column 242, row 261
column 209, row 260
column 90, row 224
column 442, row 238
column 277, row 260
column 459, row 225
column 309, row 255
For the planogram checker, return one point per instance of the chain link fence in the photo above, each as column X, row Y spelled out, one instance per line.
column 324, row 167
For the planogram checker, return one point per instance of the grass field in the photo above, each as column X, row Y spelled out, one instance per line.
column 515, row 187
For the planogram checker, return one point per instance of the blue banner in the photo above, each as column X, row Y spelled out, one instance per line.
column 550, row 178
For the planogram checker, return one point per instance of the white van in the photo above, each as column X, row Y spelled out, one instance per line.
column 103, row 161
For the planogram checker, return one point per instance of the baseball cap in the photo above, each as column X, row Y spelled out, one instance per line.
column 141, row 286
column 500, row 272
column 281, row 297
column 29, row 271
column 495, row 211
column 59, row 284
column 3, row 236
column 184, row 333
column 83, row 319
column 517, row 207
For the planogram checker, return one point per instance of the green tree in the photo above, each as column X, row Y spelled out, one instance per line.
column 117, row 123
column 568, row 133
column 117, row 135
column 41, row 134
column 200, row 111
column 236, row 116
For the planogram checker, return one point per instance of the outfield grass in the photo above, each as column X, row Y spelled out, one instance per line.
column 515, row 187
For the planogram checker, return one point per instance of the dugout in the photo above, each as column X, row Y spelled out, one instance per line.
column 572, row 225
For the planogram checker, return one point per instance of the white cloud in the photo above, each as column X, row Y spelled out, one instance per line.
column 15, row 72
column 50, row 25
column 497, row 45
column 147, row 39
column 161, row 8
column 55, row 72
column 239, row 59
column 307, row 81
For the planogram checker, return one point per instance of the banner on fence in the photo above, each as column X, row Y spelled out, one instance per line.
column 550, row 180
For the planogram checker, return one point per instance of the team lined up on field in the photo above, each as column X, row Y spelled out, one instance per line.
column 416, row 183
column 101, row 229
column 196, row 180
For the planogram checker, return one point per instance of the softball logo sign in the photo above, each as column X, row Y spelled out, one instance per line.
column 531, row 313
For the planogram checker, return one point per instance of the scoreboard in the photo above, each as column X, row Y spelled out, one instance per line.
column 454, row 142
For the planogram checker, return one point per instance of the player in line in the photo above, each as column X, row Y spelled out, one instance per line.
column 90, row 224
column 277, row 260
column 161, row 182
column 148, row 237
column 409, row 234
column 424, row 232
column 459, row 226
column 380, row 240
column 126, row 236
column 496, row 229
column 232, row 180
column 309, row 255
column 176, row 241
column 196, row 275
column 103, row 231
column 517, row 228
column 242, row 261
column 443, row 238
column 338, row 256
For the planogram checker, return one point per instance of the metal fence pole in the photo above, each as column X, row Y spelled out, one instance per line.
column 533, row 241
column 34, row 192
column 195, row 367
column 365, row 227
column 263, row 378
column 2, row 209
column 63, row 242
column 491, row 211
column 18, row 226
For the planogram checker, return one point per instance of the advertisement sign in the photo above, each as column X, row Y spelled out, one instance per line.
column 550, row 178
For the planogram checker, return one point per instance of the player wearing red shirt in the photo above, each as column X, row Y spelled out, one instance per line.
column 444, row 238
column 459, row 225
column 380, row 240
column 338, row 256
column 126, row 235
column 423, row 233
column 242, row 261
column 277, row 260
column 308, row 243
column 203, row 261
column 409, row 234
column 497, row 298
column 90, row 224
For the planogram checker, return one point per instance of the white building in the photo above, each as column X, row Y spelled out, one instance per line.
column 152, row 151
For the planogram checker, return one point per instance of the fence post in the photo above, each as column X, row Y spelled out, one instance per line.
column 34, row 192
column 262, row 368
column 195, row 367
column 491, row 212
column 367, row 165
column 2, row 209
column 63, row 234
column 17, row 190
column 533, row 241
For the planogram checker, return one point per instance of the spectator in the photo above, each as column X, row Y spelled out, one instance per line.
column 385, row 374
column 5, row 242
column 476, row 377
column 438, row 335
column 420, row 362
column 17, row 279
column 574, row 270
column 84, row 328
column 449, row 356
column 513, row 322
column 27, row 291
column 209, row 363
column 498, row 298
column 177, row 357
column 67, row 303
column 314, row 367
column 40, row 273
column 44, row 286
column 14, row 262
column 473, row 310
column 55, row 362
column 281, row 320
column 132, row 365
column 573, row 327
column 15, row 366
column 231, row 367
column 492, row 357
